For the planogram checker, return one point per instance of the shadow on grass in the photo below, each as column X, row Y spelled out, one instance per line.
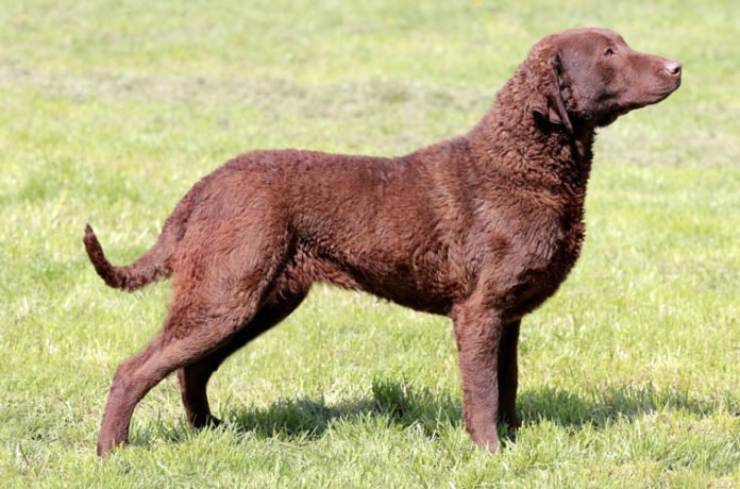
column 400, row 404
column 566, row 408
column 395, row 402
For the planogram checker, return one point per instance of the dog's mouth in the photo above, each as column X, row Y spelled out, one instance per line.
column 650, row 97
column 662, row 92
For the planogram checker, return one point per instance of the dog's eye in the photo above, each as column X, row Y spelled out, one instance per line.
column 609, row 52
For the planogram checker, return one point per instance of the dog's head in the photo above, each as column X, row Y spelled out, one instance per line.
column 589, row 77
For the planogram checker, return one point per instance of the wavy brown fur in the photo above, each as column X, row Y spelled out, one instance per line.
column 482, row 228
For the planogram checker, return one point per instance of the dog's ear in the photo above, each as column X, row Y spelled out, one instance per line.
column 544, row 82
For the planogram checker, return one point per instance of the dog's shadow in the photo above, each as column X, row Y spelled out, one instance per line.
column 307, row 418
column 400, row 404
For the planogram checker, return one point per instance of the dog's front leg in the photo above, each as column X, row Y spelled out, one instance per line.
column 478, row 333
column 508, row 375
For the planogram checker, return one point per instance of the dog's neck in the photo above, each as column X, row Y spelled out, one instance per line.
column 510, row 141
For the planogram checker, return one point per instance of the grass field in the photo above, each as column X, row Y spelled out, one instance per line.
column 108, row 113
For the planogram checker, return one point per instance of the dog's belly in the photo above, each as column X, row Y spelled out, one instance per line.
column 410, row 290
column 422, row 289
column 398, row 256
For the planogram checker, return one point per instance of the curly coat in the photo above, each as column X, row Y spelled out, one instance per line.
column 482, row 228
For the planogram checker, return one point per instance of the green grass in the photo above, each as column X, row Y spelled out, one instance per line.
column 108, row 113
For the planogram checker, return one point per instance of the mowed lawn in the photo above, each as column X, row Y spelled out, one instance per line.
column 630, row 375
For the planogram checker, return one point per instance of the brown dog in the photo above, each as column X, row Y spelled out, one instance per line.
column 481, row 228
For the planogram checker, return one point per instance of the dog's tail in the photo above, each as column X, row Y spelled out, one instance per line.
column 152, row 265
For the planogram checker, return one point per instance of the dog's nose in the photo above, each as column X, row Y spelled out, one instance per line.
column 672, row 67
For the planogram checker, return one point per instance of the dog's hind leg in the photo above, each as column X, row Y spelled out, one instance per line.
column 190, row 334
column 194, row 378
column 217, row 292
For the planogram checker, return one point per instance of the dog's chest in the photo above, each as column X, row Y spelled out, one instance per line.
column 546, row 265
